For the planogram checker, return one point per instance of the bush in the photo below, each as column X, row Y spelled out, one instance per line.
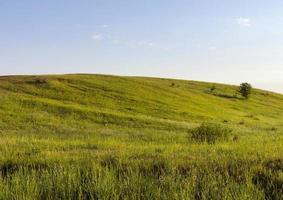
column 245, row 90
column 212, row 88
column 210, row 133
column 38, row 81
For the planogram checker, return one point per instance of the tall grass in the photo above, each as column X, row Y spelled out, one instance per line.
column 149, row 180
column 105, row 137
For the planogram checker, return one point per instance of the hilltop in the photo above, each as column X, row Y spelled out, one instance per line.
column 136, row 102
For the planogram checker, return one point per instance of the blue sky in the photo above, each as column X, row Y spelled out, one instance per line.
column 227, row 41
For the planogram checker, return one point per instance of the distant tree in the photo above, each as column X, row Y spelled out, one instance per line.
column 245, row 90
column 212, row 88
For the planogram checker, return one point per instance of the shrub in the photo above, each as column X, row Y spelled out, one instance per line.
column 212, row 88
column 210, row 133
column 38, row 81
column 245, row 90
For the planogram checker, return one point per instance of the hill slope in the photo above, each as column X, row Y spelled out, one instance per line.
column 128, row 101
column 111, row 137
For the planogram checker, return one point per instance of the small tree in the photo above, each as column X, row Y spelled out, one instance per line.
column 245, row 90
column 212, row 88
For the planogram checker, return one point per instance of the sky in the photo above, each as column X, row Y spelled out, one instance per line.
column 228, row 41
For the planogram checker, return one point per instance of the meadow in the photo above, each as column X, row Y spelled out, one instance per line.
column 110, row 137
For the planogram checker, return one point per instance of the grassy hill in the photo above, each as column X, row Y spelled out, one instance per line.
column 110, row 137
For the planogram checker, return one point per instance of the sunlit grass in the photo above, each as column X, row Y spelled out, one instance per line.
column 105, row 137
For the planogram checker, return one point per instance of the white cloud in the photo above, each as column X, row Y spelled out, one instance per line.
column 244, row 21
column 105, row 26
column 96, row 36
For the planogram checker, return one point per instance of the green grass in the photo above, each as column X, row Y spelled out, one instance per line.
column 109, row 137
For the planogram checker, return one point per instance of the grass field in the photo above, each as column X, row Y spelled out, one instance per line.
column 110, row 137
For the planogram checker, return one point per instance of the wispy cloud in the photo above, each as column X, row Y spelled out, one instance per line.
column 96, row 36
column 139, row 44
column 244, row 21
column 108, row 38
column 105, row 25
